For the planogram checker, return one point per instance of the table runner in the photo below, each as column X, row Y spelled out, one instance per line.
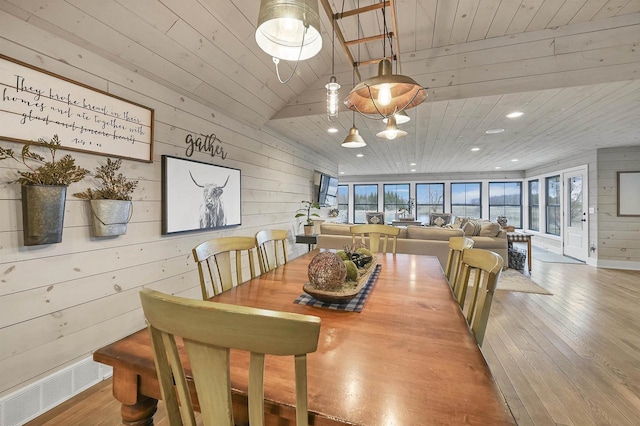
column 354, row 305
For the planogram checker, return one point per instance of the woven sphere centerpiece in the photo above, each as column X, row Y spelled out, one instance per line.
column 327, row 271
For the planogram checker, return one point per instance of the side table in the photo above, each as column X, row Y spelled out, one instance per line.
column 309, row 240
column 521, row 237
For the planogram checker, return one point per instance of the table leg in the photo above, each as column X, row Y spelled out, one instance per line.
column 136, row 409
column 141, row 413
column 529, row 254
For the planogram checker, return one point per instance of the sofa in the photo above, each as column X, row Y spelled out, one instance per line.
column 432, row 241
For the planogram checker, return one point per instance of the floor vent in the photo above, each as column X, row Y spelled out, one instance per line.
column 41, row 396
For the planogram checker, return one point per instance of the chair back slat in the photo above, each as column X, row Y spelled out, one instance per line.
column 375, row 233
column 260, row 332
column 272, row 248
column 214, row 259
column 486, row 267
column 456, row 246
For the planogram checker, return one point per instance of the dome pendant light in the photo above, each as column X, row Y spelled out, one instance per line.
column 401, row 118
column 353, row 139
column 371, row 95
column 289, row 30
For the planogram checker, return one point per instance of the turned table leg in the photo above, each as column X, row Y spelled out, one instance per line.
column 141, row 413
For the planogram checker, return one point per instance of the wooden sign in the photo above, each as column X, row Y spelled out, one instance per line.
column 35, row 103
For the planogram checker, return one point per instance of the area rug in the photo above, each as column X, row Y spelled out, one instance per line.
column 551, row 257
column 512, row 280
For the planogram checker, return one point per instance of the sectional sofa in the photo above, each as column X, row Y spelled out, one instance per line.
column 432, row 241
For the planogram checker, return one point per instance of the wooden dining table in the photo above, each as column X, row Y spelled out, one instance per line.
column 408, row 358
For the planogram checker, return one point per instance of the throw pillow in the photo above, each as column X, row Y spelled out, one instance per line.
column 460, row 221
column 489, row 229
column 472, row 228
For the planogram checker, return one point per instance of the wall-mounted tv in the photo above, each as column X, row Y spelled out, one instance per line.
column 328, row 191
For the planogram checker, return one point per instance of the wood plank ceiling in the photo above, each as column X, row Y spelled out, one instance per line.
column 572, row 67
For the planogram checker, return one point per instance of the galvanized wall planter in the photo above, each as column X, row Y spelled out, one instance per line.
column 110, row 217
column 43, row 213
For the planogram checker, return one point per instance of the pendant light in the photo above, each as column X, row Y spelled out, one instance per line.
column 391, row 131
column 401, row 118
column 386, row 93
column 333, row 87
column 353, row 139
column 289, row 30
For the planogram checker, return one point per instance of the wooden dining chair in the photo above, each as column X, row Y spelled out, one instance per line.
column 257, row 331
column 486, row 266
column 376, row 234
column 456, row 247
column 214, row 263
column 272, row 248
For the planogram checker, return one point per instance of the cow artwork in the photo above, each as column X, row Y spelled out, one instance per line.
column 212, row 209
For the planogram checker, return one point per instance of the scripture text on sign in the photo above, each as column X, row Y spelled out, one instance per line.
column 37, row 104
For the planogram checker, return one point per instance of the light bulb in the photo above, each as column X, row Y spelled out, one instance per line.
column 384, row 94
column 288, row 25
column 391, row 133
column 332, row 98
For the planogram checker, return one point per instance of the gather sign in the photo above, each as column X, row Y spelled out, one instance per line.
column 35, row 104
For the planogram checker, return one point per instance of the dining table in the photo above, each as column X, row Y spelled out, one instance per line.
column 407, row 358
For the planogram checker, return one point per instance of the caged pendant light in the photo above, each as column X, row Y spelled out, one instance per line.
column 387, row 93
column 333, row 87
column 289, row 30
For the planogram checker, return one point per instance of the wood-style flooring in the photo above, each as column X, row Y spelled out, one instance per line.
column 568, row 359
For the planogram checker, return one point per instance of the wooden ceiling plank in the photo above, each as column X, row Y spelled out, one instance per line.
column 566, row 13
column 523, row 16
column 544, row 15
column 482, row 19
column 465, row 15
column 503, row 18
column 445, row 17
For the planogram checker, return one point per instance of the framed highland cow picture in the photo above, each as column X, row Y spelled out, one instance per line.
column 199, row 196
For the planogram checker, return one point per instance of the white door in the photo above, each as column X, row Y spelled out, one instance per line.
column 575, row 226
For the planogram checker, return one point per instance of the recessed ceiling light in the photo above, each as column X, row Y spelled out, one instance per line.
column 494, row 131
column 359, row 155
column 514, row 160
column 413, row 170
column 515, row 114
column 412, row 164
column 475, row 149
column 341, row 173
column 498, row 167
column 332, row 130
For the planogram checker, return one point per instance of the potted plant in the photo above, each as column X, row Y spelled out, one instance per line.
column 111, row 203
column 306, row 211
column 44, row 190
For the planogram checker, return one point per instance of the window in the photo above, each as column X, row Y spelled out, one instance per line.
column 505, row 199
column 429, row 199
column 553, row 205
column 396, row 197
column 534, row 205
column 466, row 199
column 365, row 198
column 343, row 203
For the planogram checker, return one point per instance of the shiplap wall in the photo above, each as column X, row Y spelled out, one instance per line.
column 618, row 237
column 60, row 302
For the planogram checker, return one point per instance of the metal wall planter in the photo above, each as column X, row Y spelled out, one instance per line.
column 110, row 217
column 43, row 213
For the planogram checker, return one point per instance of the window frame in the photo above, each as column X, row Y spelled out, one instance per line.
column 479, row 205
column 428, row 206
column 549, row 206
column 519, row 205
column 397, row 206
column 339, row 204
column 531, row 206
column 355, row 204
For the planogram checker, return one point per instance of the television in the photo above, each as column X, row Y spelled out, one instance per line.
column 328, row 191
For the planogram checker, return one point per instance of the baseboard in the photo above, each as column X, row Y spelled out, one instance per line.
column 36, row 398
column 618, row 264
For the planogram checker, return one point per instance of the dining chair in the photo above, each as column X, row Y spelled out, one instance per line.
column 487, row 267
column 257, row 331
column 214, row 263
column 376, row 233
column 272, row 248
column 456, row 246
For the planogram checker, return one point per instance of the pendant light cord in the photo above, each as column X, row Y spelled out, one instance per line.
column 277, row 60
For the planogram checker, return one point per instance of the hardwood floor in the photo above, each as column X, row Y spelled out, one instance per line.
column 568, row 359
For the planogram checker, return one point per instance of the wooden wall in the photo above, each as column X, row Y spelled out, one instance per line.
column 60, row 302
column 618, row 237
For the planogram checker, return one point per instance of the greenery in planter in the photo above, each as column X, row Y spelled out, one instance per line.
column 61, row 172
column 114, row 186
column 306, row 211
